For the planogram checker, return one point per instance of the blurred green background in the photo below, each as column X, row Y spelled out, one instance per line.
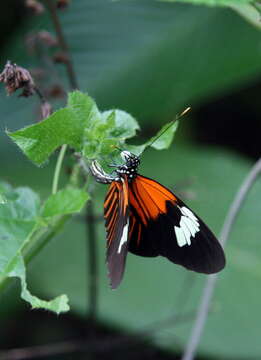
column 151, row 59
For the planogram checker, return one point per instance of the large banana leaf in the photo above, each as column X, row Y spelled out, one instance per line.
column 149, row 58
column 152, row 59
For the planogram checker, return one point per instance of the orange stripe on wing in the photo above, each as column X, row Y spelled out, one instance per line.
column 149, row 198
column 154, row 185
column 133, row 219
column 110, row 194
column 137, row 206
column 125, row 193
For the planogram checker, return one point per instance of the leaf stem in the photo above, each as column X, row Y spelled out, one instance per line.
column 208, row 291
column 58, row 169
column 45, row 238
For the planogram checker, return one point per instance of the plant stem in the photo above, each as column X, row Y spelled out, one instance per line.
column 42, row 240
column 62, row 43
column 204, row 305
column 57, row 170
column 90, row 222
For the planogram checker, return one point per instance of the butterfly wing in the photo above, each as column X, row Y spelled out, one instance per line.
column 161, row 224
column 116, row 213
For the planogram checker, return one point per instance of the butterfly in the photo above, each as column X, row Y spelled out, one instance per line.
column 145, row 218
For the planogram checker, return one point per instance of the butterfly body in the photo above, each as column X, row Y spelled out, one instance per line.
column 146, row 219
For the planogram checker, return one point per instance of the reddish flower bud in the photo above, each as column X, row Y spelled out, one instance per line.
column 46, row 109
column 60, row 57
column 35, row 6
column 47, row 38
column 62, row 4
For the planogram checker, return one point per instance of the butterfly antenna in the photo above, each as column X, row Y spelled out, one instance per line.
column 184, row 112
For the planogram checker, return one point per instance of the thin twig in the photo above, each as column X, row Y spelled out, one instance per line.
column 40, row 94
column 62, row 43
column 204, row 305
column 184, row 294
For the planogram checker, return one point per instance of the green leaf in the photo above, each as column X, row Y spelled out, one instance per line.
column 251, row 12
column 125, row 124
column 163, row 139
column 84, row 109
column 58, row 304
column 40, row 140
column 66, row 201
column 248, row 9
column 212, row 2
column 112, row 130
column 65, row 126
column 4, row 187
column 136, row 149
column 19, row 220
column 2, row 199
column 80, row 125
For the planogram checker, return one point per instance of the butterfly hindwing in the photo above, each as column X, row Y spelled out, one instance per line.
column 116, row 213
column 161, row 224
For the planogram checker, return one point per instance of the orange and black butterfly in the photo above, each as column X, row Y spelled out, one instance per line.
column 147, row 219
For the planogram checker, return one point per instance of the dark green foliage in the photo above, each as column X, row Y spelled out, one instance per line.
column 152, row 59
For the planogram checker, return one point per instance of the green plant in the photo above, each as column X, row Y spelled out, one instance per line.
column 26, row 223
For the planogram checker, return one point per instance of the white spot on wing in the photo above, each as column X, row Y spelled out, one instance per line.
column 180, row 236
column 188, row 213
column 188, row 227
column 124, row 236
column 185, row 228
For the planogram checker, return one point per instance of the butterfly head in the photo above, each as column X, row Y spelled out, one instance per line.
column 131, row 164
column 130, row 159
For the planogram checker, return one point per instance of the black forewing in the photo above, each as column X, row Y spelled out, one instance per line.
column 153, row 230
column 116, row 213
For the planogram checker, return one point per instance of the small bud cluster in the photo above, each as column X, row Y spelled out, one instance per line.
column 38, row 8
column 15, row 77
